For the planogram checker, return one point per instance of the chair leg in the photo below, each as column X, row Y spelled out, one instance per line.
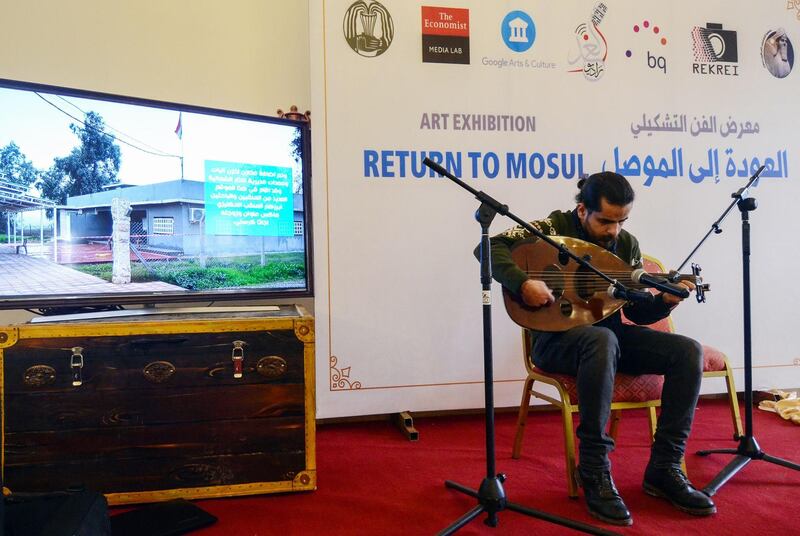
column 651, row 417
column 522, row 417
column 569, row 449
column 616, row 416
column 734, row 402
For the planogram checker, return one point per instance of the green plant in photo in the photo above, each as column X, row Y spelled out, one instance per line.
column 218, row 273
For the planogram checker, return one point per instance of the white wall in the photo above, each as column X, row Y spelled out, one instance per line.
column 246, row 55
column 242, row 55
column 398, row 301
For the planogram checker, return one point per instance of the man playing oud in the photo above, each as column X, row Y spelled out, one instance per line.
column 595, row 353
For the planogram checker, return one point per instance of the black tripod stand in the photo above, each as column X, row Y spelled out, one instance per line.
column 748, row 448
column 491, row 495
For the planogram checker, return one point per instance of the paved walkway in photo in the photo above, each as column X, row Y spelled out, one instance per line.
column 22, row 274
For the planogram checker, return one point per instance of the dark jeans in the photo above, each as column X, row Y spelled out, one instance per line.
column 594, row 354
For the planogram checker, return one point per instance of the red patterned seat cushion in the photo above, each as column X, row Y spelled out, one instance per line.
column 713, row 359
column 627, row 388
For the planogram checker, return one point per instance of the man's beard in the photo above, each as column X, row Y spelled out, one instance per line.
column 604, row 242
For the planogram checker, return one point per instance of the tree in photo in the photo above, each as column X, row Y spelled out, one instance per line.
column 297, row 153
column 90, row 166
column 15, row 169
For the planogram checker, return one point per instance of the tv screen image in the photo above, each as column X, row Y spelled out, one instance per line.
column 110, row 200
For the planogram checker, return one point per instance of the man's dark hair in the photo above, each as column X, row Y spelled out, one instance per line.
column 609, row 185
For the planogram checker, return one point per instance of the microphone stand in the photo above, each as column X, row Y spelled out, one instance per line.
column 491, row 495
column 748, row 448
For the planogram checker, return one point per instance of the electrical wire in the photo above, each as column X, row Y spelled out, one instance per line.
column 104, row 133
column 164, row 153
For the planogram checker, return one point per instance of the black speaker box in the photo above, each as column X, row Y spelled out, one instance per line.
column 57, row 514
column 170, row 518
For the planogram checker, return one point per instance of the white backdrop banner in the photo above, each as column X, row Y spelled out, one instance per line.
column 520, row 99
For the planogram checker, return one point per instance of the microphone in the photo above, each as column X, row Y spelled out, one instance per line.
column 630, row 294
column 640, row 276
column 436, row 167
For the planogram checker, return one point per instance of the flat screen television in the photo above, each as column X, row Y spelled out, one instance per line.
column 108, row 200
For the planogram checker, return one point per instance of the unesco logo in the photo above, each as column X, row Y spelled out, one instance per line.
column 368, row 28
column 713, row 46
column 518, row 31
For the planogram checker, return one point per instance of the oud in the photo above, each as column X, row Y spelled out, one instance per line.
column 581, row 296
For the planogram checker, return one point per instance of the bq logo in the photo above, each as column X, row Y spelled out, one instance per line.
column 518, row 31
column 654, row 60
column 712, row 46
column 777, row 53
column 445, row 35
column 368, row 28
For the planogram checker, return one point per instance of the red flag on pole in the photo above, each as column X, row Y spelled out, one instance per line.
column 179, row 128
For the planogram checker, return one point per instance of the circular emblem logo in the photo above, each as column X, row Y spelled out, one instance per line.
column 777, row 53
column 518, row 31
column 368, row 28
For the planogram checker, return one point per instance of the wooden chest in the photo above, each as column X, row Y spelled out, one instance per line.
column 156, row 407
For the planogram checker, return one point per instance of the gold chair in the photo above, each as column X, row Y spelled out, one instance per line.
column 716, row 365
column 715, row 362
column 630, row 392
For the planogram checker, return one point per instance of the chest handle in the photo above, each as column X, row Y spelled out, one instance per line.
column 76, row 364
column 237, row 356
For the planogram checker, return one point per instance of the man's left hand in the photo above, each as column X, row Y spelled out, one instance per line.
column 671, row 299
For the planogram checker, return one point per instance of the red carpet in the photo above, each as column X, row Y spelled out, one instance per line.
column 374, row 481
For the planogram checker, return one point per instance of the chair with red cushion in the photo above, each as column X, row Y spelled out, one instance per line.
column 630, row 392
column 715, row 362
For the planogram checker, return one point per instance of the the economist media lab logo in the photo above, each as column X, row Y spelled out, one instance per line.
column 445, row 35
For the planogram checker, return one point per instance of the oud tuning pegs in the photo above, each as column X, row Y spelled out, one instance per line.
column 701, row 288
column 700, row 292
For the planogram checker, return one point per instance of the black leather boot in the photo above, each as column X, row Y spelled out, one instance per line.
column 602, row 497
column 671, row 484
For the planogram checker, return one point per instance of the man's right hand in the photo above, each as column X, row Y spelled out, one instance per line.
column 536, row 294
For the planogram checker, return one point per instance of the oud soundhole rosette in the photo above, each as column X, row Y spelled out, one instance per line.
column 585, row 283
